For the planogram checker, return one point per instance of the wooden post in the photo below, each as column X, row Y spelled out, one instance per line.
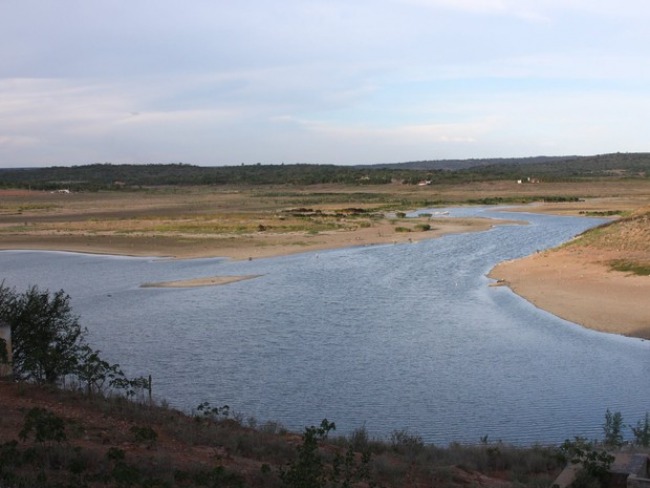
column 149, row 388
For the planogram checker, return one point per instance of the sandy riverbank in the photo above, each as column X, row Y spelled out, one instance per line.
column 241, row 246
column 577, row 285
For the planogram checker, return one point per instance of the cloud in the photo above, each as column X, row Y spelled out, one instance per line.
column 321, row 81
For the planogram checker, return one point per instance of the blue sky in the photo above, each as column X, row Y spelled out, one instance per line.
column 320, row 81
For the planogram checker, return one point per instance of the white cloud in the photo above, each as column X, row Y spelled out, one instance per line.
column 319, row 81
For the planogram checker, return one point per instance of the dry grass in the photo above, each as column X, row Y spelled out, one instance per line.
column 105, row 446
column 626, row 239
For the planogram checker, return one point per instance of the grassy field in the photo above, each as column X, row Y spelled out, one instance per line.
column 189, row 221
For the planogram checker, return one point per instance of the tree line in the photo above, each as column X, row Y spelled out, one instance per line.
column 108, row 176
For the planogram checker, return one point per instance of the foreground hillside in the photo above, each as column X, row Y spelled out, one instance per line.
column 121, row 443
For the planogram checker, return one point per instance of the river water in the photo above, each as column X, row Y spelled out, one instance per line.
column 391, row 337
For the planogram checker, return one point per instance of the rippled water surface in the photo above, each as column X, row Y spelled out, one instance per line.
column 405, row 336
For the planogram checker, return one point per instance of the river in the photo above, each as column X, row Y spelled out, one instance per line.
column 392, row 337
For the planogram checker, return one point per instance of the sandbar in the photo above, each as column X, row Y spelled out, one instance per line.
column 242, row 246
column 196, row 282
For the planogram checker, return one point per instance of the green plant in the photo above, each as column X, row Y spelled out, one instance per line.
column 402, row 229
column 145, row 435
column 213, row 413
column 423, row 227
column 595, row 462
column 93, row 372
column 406, row 443
column 613, row 429
column 46, row 336
column 130, row 386
column 307, row 471
column 626, row 266
column 642, row 432
column 346, row 471
column 45, row 425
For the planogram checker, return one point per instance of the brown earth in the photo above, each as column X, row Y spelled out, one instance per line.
column 97, row 428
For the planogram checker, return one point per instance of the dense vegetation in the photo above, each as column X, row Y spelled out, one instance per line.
column 116, row 176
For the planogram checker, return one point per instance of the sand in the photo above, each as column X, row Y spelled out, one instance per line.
column 577, row 285
column 240, row 246
column 193, row 283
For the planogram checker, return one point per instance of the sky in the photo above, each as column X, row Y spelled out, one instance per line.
column 226, row 82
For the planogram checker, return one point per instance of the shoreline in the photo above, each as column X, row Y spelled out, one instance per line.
column 578, row 286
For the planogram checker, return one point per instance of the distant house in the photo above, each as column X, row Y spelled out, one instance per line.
column 5, row 335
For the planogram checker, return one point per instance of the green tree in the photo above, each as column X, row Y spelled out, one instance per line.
column 642, row 432
column 93, row 372
column 307, row 471
column 46, row 336
column 613, row 429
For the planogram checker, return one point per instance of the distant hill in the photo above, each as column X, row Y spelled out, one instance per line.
column 604, row 165
column 116, row 176
column 458, row 164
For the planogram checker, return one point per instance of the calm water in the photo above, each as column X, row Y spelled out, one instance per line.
column 391, row 337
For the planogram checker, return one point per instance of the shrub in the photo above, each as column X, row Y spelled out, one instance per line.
column 46, row 336
column 613, row 429
column 144, row 435
column 44, row 424
column 626, row 266
column 307, row 470
column 642, row 432
column 595, row 463
column 405, row 443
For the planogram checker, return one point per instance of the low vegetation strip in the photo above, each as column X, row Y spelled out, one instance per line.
column 628, row 238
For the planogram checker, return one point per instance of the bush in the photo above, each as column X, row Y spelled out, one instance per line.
column 44, row 424
column 613, row 429
column 595, row 462
column 46, row 336
column 642, row 432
